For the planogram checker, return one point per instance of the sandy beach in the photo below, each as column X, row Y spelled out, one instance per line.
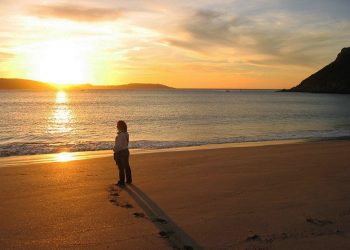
column 292, row 196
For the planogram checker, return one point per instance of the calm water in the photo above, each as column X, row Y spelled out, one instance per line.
column 47, row 122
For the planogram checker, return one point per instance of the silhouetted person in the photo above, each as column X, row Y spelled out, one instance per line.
column 121, row 154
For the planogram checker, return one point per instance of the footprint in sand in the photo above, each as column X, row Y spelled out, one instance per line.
column 165, row 234
column 127, row 205
column 139, row 215
column 113, row 194
column 160, row 220
column 319, row 222
column 255, row 237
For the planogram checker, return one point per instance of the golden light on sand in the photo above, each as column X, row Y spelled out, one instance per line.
column 64, row 157
column 59, row 62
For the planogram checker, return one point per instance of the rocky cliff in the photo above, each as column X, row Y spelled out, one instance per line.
column 333, row 78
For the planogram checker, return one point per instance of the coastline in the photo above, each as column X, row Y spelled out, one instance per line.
column 289, row 196
column 18, row 160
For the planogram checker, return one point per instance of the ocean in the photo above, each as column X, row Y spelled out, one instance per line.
column 42, row 122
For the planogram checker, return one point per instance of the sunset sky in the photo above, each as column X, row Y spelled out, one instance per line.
column 187, row 44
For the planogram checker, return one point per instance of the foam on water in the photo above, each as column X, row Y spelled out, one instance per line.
column 13, row 149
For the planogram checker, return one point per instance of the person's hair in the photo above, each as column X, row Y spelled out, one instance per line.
column 122, row 126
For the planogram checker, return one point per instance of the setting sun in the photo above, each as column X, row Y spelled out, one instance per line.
column 60, row 62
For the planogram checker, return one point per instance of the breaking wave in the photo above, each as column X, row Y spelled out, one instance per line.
column 35, row 148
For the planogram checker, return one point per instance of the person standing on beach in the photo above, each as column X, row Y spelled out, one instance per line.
column 121, row 154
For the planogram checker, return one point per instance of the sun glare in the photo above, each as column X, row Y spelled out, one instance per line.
column 64, row 157
column 60, row 62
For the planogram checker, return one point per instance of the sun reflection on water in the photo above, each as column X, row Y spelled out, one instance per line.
column 61, row 97
column 62, row 116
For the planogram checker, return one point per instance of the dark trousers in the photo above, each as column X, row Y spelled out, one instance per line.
column 122, row 160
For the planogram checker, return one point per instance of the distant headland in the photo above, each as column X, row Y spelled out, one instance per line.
column 333, row 78
column 13, row 84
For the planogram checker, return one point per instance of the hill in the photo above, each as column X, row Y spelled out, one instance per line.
column 6, row 83
column 333, row 78
column 132, row 86
column 11, row 84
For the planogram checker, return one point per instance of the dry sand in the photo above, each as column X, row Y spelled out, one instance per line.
column 294, row 196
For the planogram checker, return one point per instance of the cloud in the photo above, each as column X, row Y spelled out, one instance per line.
column 205, row 31
column 190, row 45
column 76, row 13
column 214, row 27
column 277, row 38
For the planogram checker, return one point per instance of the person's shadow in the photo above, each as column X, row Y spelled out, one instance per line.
column 168, row 228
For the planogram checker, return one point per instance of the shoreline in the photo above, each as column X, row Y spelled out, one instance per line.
column 19, row 160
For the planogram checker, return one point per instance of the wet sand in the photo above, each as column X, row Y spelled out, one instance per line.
column 293, row 196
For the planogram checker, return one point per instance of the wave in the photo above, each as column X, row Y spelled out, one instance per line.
column 35, row 148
